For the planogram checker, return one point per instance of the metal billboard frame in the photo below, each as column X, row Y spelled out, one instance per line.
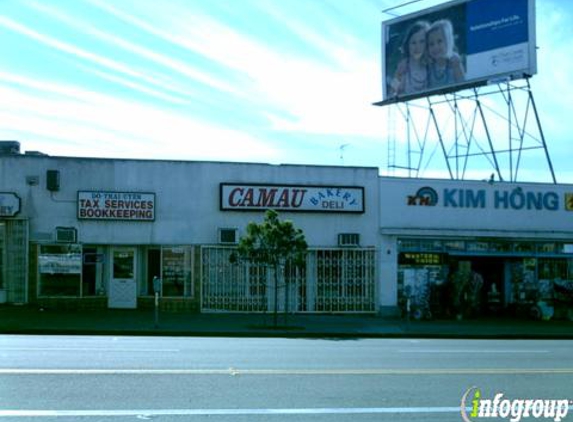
column 462, row 125
column 460, row 122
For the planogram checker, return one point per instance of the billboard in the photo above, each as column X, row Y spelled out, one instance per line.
column 457, row 45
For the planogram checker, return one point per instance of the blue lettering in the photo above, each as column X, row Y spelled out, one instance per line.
column 449, row 200
column 517, row 199
column 501, row 199
column 475, row 199
column 551, row 201
column 534, row 200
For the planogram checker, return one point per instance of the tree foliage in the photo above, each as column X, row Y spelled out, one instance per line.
column 273, row 243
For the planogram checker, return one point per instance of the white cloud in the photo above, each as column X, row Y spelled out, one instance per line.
column 114, row 41
column 312, row 97
column 83, row 54
column 107, row 126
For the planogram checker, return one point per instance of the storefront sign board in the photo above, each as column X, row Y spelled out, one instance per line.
column 104, row 205
column 331, row 199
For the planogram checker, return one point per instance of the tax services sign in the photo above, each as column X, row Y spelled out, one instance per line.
column 252, row 197
column 127, row 206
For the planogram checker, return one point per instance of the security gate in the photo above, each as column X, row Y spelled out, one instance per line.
column 14, row 260
column 332, row 281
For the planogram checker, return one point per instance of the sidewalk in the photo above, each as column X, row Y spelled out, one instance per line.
column 29, row 320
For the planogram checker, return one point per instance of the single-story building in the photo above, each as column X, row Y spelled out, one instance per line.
column 93, row 233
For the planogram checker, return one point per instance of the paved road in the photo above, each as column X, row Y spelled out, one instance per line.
column 76, row 378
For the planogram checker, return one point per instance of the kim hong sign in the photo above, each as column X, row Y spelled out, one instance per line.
column 127, row 206
column 334, row 199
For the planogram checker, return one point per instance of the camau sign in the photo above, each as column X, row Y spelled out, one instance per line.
column 337, row 199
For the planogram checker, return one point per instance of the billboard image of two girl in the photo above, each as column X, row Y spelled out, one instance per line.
column 449, row 48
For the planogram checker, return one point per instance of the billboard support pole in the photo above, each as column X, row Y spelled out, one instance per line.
column 440, row 138
column 488, row 136
column 530, row 93
column 512, row 109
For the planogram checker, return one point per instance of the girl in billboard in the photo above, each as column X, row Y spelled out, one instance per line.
column 444, row 64
column 412, row 71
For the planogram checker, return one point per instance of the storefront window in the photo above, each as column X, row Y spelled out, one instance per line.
column 524, row 246
column 60, row 269
column 454, row 245
column 174, row 271
column 173, row 265
column 478, row 246
column 546, row 248
column 92, row 277
column 552, row 269
column 2, row 260
column 500, row 246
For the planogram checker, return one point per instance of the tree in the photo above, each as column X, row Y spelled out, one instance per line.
column 273, row 243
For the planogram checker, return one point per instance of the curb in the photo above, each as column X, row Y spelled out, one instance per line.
column 159, row 332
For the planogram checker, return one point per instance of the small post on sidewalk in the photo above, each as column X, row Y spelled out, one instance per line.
column 157, row 291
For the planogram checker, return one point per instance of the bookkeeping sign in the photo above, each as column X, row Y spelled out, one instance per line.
column 130, row 206
column 457, row 45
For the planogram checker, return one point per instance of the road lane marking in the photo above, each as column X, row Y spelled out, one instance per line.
column 217, row 412
column 87, row 349
column 477, row 351
column 148, row 413
column 333, row 371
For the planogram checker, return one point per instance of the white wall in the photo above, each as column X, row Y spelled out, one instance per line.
column 187, row 198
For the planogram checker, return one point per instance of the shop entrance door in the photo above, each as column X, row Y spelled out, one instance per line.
column 122, row 283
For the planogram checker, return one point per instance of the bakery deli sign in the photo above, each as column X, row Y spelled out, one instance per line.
column 333, row 199
column 127, row 206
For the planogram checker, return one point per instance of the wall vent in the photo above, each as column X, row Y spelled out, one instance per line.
column 348, row 239
column 66, row 235
column 228, row 236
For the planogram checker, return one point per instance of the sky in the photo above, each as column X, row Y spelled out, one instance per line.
column 271, row 81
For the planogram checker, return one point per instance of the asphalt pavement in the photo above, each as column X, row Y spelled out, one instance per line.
column 33, row 320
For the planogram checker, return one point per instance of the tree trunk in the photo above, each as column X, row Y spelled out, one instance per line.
column 276, row 310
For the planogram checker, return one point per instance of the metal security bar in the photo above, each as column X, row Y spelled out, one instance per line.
column 332, row 281
column 16, row 266
column 231, row 287
column 344, row 280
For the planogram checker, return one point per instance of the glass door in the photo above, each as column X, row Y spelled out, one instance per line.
column 123, row 284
